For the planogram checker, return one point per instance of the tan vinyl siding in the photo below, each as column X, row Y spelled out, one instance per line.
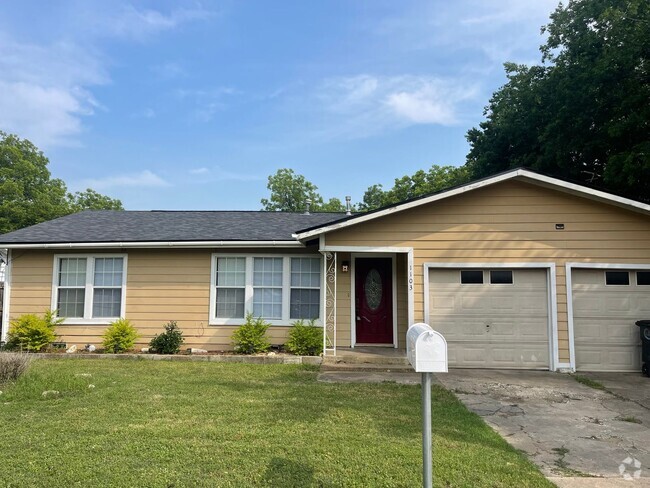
column 162, row 285
column 343, row 302
column 508, row 222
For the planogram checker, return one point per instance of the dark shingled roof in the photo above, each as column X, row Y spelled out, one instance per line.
column 152, row 226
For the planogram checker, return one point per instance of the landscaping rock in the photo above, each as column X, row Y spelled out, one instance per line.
column 194, row 350
column 72, row 349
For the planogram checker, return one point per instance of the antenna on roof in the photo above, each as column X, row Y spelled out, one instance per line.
column 307, row 205
column 348, row 207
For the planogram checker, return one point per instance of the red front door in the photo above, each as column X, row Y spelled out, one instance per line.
column 374, row 300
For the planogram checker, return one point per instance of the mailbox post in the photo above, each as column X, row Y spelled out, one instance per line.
column 426, row 350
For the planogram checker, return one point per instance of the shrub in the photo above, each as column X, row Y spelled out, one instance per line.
column 120, row 336
column 251, row 338
column 32, row 333
column 305, row 339
column 12, row 365
column 169, row 342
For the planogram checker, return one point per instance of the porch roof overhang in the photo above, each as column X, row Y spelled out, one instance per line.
column 524, row 175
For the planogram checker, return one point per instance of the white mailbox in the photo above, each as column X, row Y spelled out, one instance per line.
column 426, row 349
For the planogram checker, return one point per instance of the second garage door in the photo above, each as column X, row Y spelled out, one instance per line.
column 606, row 305
column 491, row 318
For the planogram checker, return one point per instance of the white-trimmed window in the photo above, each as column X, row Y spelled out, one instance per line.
column 89, row 288
column 280, row 289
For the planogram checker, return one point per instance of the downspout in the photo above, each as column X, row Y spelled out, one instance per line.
column 5, row 255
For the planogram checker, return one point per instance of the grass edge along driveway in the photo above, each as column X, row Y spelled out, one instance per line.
column 173, row 424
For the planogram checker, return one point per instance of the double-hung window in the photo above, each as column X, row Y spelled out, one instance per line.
column 89, row 288
column 279, row 289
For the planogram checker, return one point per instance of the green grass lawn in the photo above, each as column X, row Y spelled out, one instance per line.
column 172, row 424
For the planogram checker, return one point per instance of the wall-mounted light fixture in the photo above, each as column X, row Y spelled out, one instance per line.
column 345, row 266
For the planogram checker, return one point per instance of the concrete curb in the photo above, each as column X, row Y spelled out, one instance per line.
column 215, row 358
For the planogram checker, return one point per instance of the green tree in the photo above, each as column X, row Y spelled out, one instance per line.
column 584, row 114
column 91, row 200
column 290, row 192
column 29, row 194
column 421, row 183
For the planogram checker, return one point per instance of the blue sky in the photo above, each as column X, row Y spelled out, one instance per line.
column 191, row 105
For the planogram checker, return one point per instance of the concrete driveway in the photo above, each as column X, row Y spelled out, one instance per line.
column 568, row 429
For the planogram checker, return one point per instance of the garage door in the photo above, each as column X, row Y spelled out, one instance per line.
column 491, row 318
column 606, row 305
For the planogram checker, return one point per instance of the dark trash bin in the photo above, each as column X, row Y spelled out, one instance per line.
column 644, row 329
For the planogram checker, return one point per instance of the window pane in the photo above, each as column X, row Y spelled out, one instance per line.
column 501, row 277
column 107, row 302
column 305, row 304
column 305, row 272
column 643, row 278
column 267, row 303
column 617, row 278
column 108, row 272
column 231, row 271
column 72, row 272
column 267, row 271
column 471, row 277
column 70, row 302
column 230, row 303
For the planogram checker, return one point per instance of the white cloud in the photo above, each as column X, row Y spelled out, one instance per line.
column 147, row 113
column 169, row 70
column 216, row 173
column 130, row 22
column 145, row 178
column 207, row 102
column 365, row 105
column 502, row 30
column 46, row 90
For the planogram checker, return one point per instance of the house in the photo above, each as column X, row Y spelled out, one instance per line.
column 519, row 270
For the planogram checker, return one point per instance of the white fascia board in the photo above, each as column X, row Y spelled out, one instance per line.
column 157, row 245
column 583, row 191
column 522, row 174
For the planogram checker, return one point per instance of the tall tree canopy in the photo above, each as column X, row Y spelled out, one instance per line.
column 290, row 192
column 420, row 183
column 28, row 193
column 583, row 114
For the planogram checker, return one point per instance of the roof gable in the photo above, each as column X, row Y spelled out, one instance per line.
column 516, row 175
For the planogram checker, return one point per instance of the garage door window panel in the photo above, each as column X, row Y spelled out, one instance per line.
column 501, row 277
column 643, row 278
column 471, row 277
column 617, row 278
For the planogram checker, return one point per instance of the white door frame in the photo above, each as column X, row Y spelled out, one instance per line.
column 353, row 316
column 551, row 285
column 569, row 294
column 369, row 251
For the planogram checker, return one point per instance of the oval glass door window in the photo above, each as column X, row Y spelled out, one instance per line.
column 373, row 289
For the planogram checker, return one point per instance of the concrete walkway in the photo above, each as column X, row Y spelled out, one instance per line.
column 568, row 429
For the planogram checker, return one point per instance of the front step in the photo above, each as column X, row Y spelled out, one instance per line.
column 368, row 359
column 365, row 367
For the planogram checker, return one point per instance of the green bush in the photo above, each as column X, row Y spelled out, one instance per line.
column 169, row 342
column 120, row 336
column 12, row 365
column 251, row 338
column 32, row 333
column 305, row 339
